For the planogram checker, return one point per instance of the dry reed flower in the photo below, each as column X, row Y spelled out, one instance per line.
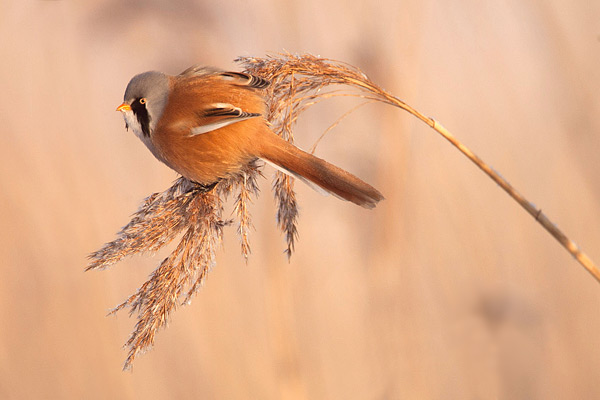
column 195, row 213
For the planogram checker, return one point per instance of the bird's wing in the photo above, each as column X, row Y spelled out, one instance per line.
column 218, row 115
column 243, row 79
column 207, row 99
column 236, row 78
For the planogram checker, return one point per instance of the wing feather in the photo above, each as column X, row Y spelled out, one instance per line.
column 219, row 115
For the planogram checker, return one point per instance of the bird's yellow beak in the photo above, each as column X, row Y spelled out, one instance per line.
column 124, row 107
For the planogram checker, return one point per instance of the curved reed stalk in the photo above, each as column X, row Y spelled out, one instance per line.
column 312, row 73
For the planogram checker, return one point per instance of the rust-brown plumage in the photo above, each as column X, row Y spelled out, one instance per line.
column 212, row 126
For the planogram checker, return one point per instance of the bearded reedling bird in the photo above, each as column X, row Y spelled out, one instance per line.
column 208, row 124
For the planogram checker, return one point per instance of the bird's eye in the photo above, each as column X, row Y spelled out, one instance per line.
column 143, row 100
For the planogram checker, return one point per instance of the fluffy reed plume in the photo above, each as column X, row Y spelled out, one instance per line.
column 194, row 213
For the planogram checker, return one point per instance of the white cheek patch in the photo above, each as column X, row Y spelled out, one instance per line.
column 133, row 123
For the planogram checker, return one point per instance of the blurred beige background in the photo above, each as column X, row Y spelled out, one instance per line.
column 447, row 290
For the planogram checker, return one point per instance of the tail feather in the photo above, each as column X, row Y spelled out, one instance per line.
column 318, row 172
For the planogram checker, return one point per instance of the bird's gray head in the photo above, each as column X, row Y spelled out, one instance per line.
column 144, row 102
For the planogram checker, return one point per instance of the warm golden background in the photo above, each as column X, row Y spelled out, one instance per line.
column 447, row 290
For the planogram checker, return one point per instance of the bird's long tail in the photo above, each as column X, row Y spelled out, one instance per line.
column 291, row 160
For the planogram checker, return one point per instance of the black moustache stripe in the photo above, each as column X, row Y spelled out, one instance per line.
column 142, row 116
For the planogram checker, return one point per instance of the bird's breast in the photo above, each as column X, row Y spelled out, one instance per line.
column 211, row 156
